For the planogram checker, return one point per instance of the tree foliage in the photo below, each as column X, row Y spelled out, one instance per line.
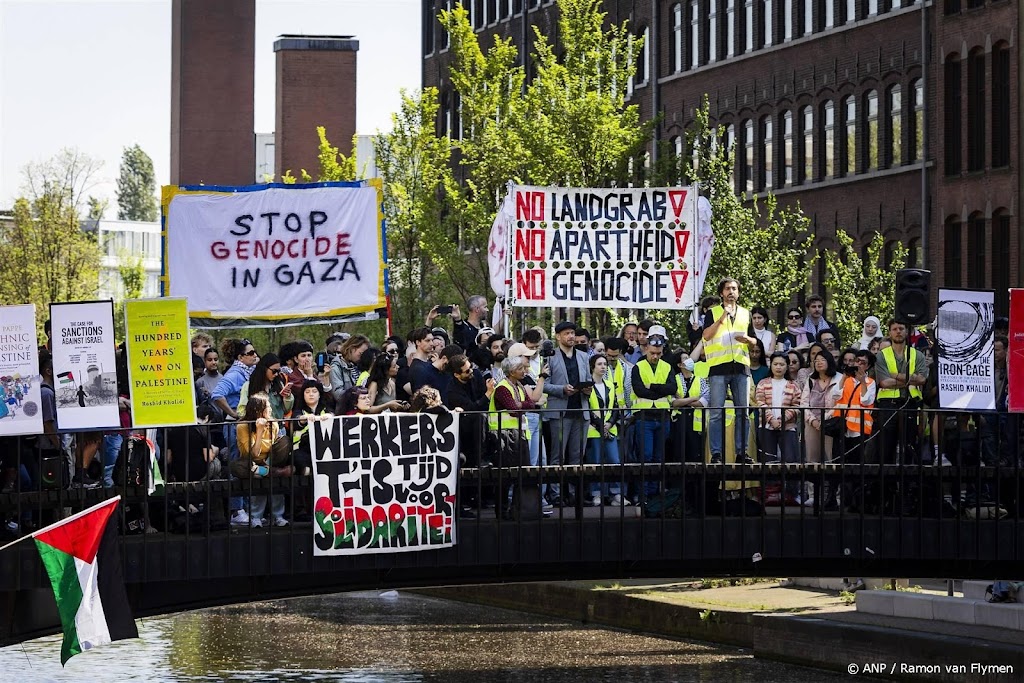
column 133, row 281
column 334, row 166
column 46, row 256
column 136, row 187
column 414, row 163
column 860, row 287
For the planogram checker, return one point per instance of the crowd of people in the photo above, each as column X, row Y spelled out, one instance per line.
column 733, row 391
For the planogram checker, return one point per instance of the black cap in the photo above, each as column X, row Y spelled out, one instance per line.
column 565, row 325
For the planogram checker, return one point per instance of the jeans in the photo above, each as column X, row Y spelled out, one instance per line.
column 738, row 386
column 234, row 502
column 533, row 424
column 604, row 451
column 258, row 504
column 774, row 440
column 111, row 449
column 654, row 431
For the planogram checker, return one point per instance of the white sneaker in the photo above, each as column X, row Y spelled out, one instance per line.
column 280, row 521
column 240, row 518
column 595, row 502
column 942, row 461
column 256, row 523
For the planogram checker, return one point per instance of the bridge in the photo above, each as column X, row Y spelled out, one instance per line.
column 713, row 529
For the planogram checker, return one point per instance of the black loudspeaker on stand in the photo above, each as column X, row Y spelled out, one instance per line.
column 913, row 302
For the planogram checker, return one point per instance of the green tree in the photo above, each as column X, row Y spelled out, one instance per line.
column 334, row 166
column 860, row 287
column 47, row 258
column 97, row 208
column 136, row 187
column 415, row 165
column 133, row 280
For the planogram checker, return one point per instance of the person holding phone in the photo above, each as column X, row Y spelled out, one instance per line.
column 267, row 378
column 305, row 369
column 381, row 385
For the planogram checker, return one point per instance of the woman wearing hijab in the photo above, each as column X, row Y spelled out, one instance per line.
column 871, row 325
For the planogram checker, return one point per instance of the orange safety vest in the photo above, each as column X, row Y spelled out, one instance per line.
column 858, row 421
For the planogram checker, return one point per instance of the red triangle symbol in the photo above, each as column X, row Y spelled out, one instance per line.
column 677, row 198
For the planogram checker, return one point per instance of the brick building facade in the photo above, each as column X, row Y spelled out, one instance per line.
column 832, row 104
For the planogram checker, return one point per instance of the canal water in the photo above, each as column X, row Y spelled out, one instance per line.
column 391, row 637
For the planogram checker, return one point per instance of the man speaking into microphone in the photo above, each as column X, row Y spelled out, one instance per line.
column 728, row 336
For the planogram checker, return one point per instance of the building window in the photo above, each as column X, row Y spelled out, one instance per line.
column 479, row 18
column 976, row 111
column 428, row 27
column 914, row 252
column 830, row 13
column 895, row 126
column 458, row 115
column 787, row 148
column 1001, row 261
column 769, row 35
column 767, row 154
column 951, row 123
column 694, row 33
column 951, row 7
column 730, row 28
column 808, row 17
column 517, row 7
column 917, row 123
column 828, row 125
column 851, row 11
column 807, row 148
column 1000, row 106
column 492, row 11
column 976, row 266
column 748, row 25
column 747, row 175
column 787, row 20
column 677, row 37
column 975, row 4
column 643, row 59
column 712, row 31
column 951, row 252
column 848, row 164
column 730, row 151
column 872, row 142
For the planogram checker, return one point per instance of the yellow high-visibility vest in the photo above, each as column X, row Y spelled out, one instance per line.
column 723, row 348
column 599, row 410
column 890, row 363
column 505, row 419
column 651, row 376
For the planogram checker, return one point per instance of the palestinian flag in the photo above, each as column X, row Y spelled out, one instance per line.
column 81, row 556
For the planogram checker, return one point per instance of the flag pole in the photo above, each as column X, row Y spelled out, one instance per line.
column 83, row 513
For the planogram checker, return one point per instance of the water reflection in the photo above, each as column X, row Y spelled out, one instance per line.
column 366, row 637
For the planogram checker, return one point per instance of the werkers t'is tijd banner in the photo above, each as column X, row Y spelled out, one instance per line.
column 597, row 248
column 1015, row 353
column 384, row 483
column 84, row 369
column 20, row 404
column 281, row 254
column 964, row 329
column 159, row 362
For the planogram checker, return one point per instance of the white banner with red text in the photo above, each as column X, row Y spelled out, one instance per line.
column 276, row 254
column 604, row 248
column 384, row 483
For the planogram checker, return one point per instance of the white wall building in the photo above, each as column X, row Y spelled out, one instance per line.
column 121, row 243
column 264, row 157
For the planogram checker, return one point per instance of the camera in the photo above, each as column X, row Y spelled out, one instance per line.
column 444, row 310
column 547, row 349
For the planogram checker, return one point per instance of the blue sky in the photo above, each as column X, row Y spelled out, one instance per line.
column 96, row 75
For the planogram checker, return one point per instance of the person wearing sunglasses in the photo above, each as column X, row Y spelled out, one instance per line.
column 796, row 335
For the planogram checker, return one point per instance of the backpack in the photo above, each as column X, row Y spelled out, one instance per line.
column 134, row 462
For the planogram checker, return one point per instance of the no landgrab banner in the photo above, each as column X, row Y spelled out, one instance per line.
column 597, row 248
